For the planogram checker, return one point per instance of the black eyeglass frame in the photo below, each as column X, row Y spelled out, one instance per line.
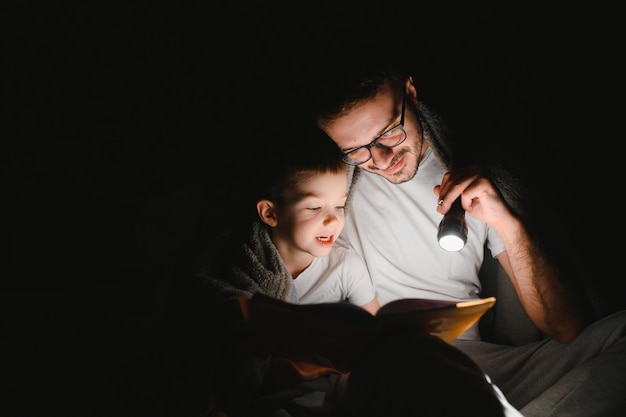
column 376, row 141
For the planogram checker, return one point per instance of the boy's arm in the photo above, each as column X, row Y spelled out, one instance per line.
column 372, row 306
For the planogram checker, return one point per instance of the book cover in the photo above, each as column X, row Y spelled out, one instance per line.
column 339, row 331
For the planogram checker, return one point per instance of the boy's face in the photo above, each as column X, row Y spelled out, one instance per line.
column 313, row 216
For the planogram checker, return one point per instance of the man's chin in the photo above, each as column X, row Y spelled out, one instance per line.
column 396, row 177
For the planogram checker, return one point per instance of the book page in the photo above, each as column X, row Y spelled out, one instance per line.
column 446, row 321
column 339, row 331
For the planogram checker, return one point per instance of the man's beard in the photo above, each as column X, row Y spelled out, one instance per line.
column 405, row 174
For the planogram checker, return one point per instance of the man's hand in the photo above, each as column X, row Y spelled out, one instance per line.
column 479, row 197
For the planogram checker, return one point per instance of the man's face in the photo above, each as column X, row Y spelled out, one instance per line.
column 369, row 120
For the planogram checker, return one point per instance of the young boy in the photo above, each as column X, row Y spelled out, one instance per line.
column 302, row 209
column 284, row 245
column 288, row 248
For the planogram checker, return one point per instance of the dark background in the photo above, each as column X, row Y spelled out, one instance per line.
column 125, row 122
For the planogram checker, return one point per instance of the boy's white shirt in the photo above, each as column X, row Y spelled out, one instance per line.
column 336, row 277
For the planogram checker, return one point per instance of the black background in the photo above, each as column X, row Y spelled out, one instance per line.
column 124, row 122
column 118, row 115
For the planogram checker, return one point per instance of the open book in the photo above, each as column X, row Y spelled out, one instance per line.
column 339, row 331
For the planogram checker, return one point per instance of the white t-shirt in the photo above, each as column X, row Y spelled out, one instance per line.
column 393, row 227
column 340, row 275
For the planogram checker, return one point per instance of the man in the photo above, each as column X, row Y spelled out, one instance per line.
column 299, row 205
column 407, row 175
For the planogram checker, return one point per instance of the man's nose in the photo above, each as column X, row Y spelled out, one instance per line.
column 381, row 156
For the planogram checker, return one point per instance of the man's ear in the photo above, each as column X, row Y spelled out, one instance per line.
column 267, row 212
column 410, row 89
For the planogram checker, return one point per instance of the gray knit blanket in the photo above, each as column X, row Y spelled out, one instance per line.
column 250, row 266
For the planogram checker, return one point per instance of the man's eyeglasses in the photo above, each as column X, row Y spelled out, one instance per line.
column 387, row 140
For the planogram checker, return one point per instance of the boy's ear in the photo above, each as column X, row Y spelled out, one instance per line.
column 267, row 212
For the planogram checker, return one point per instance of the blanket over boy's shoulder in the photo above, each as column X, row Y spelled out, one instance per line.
column 248, row 265
column 248, row 379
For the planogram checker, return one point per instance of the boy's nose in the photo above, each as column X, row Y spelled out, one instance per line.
column 331, row 218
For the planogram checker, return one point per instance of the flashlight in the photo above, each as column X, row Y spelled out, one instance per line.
column 452, row 234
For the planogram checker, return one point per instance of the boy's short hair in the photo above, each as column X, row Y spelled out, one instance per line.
column 291, row 155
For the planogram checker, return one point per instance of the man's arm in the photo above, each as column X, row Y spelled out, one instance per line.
column 555, row 305
column 545, row 298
